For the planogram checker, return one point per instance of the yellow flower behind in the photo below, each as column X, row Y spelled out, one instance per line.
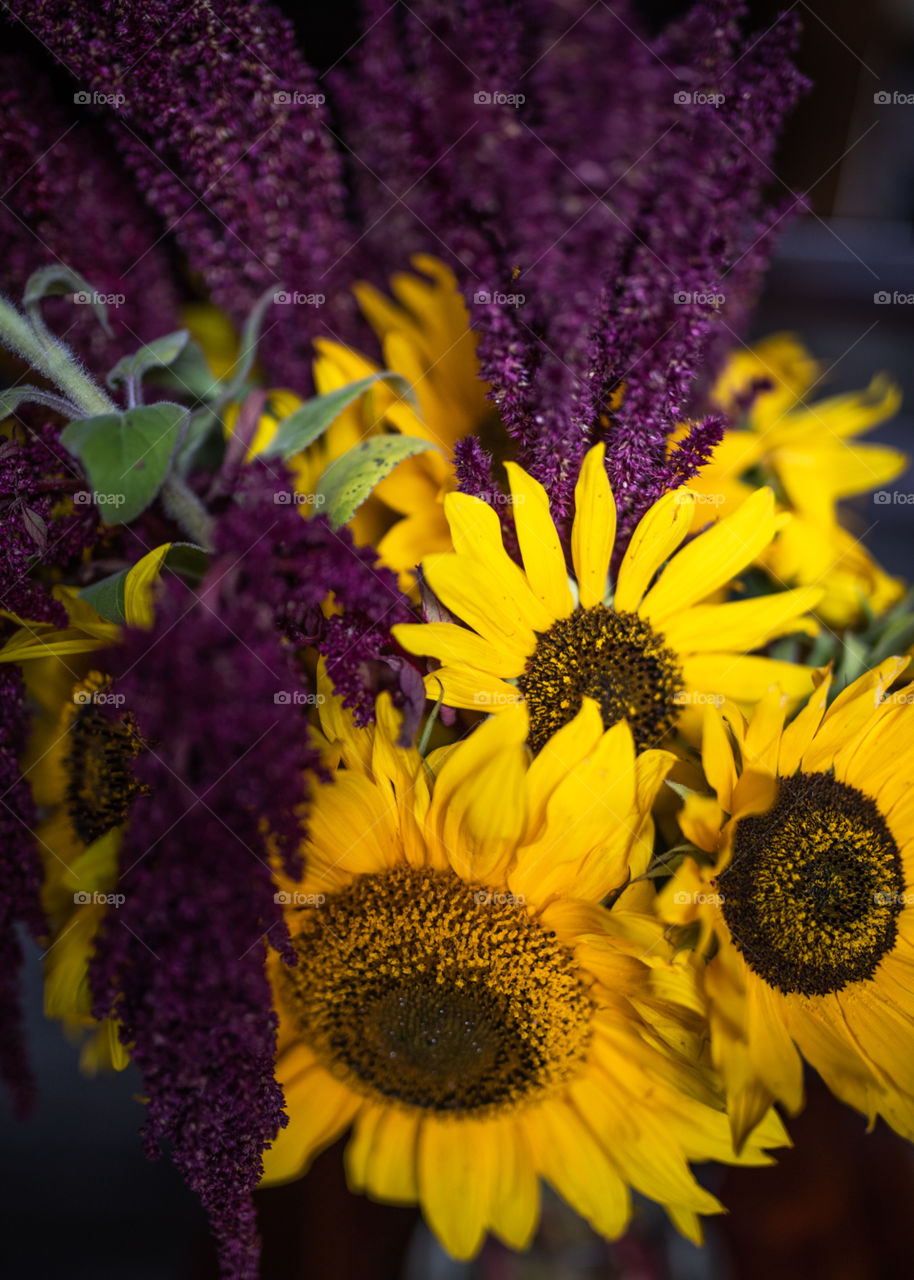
column 425, row 338
column 811, row 454
column 809, row 899
column 466, row 1007
column 648, row 651
column 77, row 765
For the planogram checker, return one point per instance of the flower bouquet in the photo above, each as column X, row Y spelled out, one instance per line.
column 442, row 704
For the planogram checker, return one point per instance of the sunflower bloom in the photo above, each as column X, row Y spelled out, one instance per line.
column 808, row 897
column 78, row 765
column 646, row 653
column 811, row 454
column 464, row 1004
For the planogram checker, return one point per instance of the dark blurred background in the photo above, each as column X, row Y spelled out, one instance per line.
column 80, row 1202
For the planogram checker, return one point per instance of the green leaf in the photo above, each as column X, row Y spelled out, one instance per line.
column 247, row 351
column 107, row 596
column 126, row 455
column 188, row 560
column 189, row 374
column 12, row 397
column 307, row 423
column 59, row 279
column 349, row 480
column 157, row 354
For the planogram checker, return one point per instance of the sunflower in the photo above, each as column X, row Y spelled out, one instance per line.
column 806, row 910
column 810, row 454
column 78, row 766
column 463, row 1003
column 647, row 654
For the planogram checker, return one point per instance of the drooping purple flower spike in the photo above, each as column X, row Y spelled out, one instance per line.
column 221, row 124
column 220, row 703
column 35, row 528
column 601, row 196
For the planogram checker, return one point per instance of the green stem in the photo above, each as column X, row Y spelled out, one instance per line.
column 186, row 509
column 55, row 361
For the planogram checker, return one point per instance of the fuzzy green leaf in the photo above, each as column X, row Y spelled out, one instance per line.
column 126, row 456
column 307, row 423
column 59, row 279
column 157, row 354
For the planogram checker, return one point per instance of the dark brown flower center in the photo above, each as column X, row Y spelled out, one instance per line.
column 419, row 987
column 813, row 891
column 102, row 744
column 616, row 659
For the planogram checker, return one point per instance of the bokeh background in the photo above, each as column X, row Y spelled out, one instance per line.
column 80, row 1202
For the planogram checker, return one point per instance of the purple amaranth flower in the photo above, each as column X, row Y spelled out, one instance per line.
column 219, row 700
column 69, row 200
column 474, row 467
column 20, row 881
column 607, row 191
column 37, row 475
column 222, row 125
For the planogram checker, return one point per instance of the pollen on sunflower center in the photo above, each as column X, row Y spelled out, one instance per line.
column 615, row 658
column 814, row 887
column 417, row 986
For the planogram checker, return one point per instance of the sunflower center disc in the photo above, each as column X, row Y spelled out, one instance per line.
column 814, row 888
column 616, row 659
column 100, row 779
column 419, row 987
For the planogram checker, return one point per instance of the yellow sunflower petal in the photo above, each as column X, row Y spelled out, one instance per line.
column 798, row 735
column 457, row 1179
column 457, row 646
column 560, row 756
column 474, row 689
column 489, row 607
column 354, row 828
column 478, row 812
column 713, row 558
column 569, row 1157
column 779, row 1066
column 139, row 588
column 516, row 1198
column 745, row 677
column 590, row 823
column 742, row 624
column 593, row 533
column 381, row 1156
column 476, row 531
column 717, row 756
column 320, row 1108
column 850, row 713
column 639, row 1145
column 659, row 532
column 544, row 560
